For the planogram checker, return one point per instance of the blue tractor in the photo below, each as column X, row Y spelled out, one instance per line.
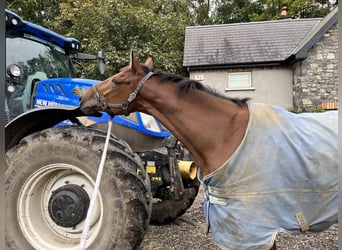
column 53, row 152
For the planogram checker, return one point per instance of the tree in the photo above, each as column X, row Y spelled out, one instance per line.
column 309, row 9
column 233, row 11
column 153, row 27
column 37, row 11
column 201, row 12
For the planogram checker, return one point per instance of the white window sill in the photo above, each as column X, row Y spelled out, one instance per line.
column 240, row 89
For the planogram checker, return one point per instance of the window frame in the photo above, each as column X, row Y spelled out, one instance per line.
column 242, row 87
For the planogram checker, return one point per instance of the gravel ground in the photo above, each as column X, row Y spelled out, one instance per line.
column 189, row 232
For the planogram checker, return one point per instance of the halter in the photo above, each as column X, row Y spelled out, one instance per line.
column 131, row 97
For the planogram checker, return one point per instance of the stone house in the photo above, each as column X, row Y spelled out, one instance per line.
column 286, row 62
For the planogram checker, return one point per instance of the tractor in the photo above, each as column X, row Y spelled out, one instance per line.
column 53, row 152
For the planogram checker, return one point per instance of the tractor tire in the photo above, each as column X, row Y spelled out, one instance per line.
column 49, row 181
column 166, row 211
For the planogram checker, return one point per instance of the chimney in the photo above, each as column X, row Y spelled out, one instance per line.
column 284, row 13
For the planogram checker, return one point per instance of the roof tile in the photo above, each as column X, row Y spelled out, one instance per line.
column 239, row 43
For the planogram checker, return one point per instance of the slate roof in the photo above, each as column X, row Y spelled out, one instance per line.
column 242, row 44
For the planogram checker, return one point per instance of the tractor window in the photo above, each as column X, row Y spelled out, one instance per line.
column 37, row 60
column 32, row 57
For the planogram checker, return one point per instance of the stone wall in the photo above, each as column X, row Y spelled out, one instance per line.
column 315, row 79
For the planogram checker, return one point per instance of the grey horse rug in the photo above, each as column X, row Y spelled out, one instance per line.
column 283, row 176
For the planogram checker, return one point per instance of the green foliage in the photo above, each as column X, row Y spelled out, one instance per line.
column 201, row 12
column 233, row 11
column 153, row 27
column 37, row 11
column 308, row 9
column 116, row 27
column 316, row 109
column 229, row 11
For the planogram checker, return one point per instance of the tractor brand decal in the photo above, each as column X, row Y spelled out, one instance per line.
column 42, row 103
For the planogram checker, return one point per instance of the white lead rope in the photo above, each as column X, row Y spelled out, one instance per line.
column 85, row 231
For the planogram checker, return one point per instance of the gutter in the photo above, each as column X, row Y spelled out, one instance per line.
column 234, row 66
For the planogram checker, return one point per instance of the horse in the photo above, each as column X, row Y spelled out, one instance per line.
column 263, row 168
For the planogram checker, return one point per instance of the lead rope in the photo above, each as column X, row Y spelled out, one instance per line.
column 90, row 212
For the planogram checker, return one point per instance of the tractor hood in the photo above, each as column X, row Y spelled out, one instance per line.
column 60, row 91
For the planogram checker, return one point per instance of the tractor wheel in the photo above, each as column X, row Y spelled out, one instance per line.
column 49, row 181
column 165, row 211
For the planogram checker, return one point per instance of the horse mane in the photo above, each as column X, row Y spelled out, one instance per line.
column 186, row 85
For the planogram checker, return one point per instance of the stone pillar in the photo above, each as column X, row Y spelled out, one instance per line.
column 315, row 79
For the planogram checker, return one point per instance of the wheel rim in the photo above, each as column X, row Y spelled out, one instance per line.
column 39, row 216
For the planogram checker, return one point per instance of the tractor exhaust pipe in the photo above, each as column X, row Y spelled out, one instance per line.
column 188, row 169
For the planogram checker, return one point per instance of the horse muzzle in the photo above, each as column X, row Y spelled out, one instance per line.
column 90, row 107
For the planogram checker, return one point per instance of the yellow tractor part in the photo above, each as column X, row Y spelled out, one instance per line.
column 188, row 169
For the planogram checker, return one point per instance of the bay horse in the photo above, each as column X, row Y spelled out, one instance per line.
column 263, row 169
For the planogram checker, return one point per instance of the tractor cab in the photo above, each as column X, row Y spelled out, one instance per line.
column 33, row 54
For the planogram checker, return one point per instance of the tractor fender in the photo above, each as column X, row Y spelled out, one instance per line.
column 36, row 120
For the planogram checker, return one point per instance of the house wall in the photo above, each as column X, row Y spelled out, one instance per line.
column 271, row 85
column 315, row 79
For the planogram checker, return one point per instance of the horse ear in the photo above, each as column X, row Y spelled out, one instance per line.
column 132, row 59
column 131, row 56
column 134, row 64
column 149, row 62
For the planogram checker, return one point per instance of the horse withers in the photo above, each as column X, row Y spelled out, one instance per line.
column 263, row 168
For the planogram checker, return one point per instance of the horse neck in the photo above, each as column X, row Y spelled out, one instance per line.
column 211, row 128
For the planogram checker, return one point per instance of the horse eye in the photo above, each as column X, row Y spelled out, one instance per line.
column 114, row 82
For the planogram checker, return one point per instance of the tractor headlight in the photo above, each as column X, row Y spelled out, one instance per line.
column 72, row 47
column 14, row 21
column 13, row 71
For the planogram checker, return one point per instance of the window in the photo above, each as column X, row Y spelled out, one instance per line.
column 240, row 81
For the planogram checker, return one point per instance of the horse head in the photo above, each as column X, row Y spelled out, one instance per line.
column 116, row 94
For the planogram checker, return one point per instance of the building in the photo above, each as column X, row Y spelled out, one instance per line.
column 286, row 62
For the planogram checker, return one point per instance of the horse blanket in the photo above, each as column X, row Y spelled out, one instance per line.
column 283, row 176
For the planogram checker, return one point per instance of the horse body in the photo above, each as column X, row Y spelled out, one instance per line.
column 214, row 128
column 288, row 182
